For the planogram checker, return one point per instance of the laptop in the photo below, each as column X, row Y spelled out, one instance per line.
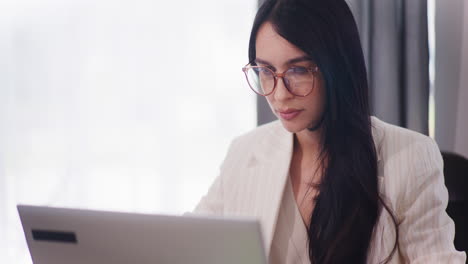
column 75, row 236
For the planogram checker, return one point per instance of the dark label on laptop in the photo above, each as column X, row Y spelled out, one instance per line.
column 54, row 236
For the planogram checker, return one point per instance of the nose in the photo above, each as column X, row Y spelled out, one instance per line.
column 281, row 93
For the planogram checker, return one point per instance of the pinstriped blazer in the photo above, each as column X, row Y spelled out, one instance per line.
column 410, row 175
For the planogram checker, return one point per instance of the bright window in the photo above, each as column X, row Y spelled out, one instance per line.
column 125, row 105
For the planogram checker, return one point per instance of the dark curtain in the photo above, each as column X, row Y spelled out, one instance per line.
column 394, row 37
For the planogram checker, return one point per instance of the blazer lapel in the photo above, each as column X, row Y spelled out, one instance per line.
column 269, row 166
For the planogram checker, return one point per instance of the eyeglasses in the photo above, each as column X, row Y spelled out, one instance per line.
column 298, row 80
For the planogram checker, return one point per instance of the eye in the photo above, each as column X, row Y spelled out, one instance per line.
column 298, row 70
column 264, row 71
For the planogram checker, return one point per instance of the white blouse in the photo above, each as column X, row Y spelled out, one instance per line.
column 289, row 243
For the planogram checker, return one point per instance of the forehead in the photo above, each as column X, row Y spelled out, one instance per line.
column 271, row 47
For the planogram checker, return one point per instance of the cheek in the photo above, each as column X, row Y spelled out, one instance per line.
column 271, row 103
column 269, row 99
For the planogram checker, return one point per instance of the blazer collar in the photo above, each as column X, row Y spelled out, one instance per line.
column 377, row 135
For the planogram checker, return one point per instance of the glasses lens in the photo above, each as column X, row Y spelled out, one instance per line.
column 261, row 80
column 300, row 80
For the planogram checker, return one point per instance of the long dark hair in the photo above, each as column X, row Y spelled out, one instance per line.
column 348, row 203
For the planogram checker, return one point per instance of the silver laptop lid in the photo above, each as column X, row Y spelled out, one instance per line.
column 73, row 236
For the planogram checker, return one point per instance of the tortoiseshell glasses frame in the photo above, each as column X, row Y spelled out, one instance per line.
column 298, row 80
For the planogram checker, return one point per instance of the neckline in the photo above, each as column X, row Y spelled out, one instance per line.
column 297, row 212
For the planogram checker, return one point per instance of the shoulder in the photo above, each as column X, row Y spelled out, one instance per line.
column 409, row 163
column 404, row 146
column 388, row 133
column 268, row 143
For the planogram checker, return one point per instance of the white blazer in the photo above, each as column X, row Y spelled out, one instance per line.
column 410, row 175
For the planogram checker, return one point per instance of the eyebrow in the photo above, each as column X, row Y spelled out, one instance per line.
column 291, row 61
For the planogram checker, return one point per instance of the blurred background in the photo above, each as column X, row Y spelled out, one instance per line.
column 117, row 105
column 130, row 105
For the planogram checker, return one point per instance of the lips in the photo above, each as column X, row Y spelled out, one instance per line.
column 289, row 113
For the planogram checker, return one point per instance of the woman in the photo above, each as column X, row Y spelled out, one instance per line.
column 328, row 182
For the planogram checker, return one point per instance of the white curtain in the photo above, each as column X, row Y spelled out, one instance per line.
column 124, row 105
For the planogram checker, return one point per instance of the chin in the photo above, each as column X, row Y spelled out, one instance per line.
column 293, row 127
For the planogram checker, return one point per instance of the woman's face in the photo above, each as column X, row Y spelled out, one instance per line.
column 296, row 113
